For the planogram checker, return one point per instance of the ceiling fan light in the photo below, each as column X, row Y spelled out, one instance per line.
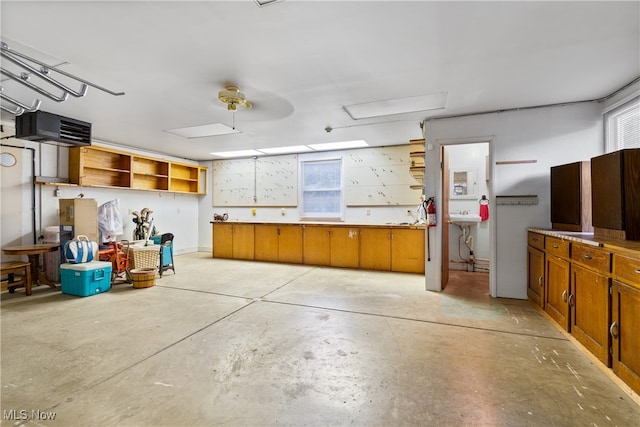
column 232, row 96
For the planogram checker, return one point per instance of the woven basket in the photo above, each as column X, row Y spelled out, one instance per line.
column 144, row 257
column 143, row 277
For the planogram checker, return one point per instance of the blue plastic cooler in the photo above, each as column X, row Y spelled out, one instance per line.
column 85, row 279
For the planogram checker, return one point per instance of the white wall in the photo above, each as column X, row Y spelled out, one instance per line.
column 548, row 136
column 371, row 214
column 177, row 213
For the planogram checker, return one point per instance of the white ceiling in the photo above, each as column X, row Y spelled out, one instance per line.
column 300, row 62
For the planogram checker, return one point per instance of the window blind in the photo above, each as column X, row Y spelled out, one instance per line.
column 622, row 126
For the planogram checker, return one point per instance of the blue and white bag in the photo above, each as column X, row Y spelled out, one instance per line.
column 80, row 250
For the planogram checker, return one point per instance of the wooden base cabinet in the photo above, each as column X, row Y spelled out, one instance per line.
column 367, row 247
column 375, row 249
column 557, row 280
column 279, row 243
column 345, row 247
column 557, row 290
column 233, row 240
column 625, row 334
column 535, row 269
column 602, row 281
column 407, row 250
column 591, row 311
column 316, row 245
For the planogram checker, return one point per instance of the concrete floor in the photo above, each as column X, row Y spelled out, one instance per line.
column 236, row 343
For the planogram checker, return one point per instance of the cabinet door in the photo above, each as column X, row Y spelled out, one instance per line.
column 345, row 247
column 266, row 242
column 222, row 240
column 243, row 241
column 407, row 250
column 590, row 311
column 375, row 248
column 625, row 338
column 316, row 245
column 290, row 244
column 535, row 273
column 557, row 292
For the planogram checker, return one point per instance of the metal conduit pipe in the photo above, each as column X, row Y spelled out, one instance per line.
column 557, row 104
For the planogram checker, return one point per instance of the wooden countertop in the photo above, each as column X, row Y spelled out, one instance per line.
column 328, row 223
column 591, row 239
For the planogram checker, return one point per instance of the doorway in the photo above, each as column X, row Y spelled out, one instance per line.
column 466, row 234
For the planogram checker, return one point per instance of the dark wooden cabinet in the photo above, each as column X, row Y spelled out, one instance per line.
column 625, row 339
column 591, row 311
column 535, row 268
column 616, row 194
column 592, row 290
column 571, row 197
column 557, row 276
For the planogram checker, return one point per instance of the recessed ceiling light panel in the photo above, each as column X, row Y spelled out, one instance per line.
column 213, row 129
column 434, row 101
column 286, row 150
column 339, row 145
column 239, row 153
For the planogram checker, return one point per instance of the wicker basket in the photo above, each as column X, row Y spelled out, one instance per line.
column 144, row 256
column 143, row 277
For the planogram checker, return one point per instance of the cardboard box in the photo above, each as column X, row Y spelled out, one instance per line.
column 78, row 216
column 85, row 279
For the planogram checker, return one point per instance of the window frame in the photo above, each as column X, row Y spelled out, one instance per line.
column 612, row 140
column 324, row 216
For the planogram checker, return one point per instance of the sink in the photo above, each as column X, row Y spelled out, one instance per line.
column 464, row 219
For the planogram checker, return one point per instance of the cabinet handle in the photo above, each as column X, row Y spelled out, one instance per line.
column 638, row 271
column 555, row 246
column 540, row 281
column 571, row 300
column 587, row 256
column 613, row 330
column 564, row 295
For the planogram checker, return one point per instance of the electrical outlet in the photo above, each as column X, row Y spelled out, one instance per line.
column 368, row 212
column 408, row 212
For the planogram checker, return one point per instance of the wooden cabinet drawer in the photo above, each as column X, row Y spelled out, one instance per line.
column 592, row 257
column 536, row 240
column 557, row 247
column 627, row 269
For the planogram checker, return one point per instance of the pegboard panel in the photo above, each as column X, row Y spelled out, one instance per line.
column 270, row 181
column 379, row 176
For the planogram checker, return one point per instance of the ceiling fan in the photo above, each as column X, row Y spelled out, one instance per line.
column 233, row 98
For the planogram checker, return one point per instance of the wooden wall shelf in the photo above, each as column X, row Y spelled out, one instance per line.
column 104, row 167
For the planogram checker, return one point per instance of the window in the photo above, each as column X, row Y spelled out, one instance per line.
column 321, row 189
column 622, row 126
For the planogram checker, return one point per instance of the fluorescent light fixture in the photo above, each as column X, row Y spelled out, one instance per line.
column 239, row 153
column 434, row 101
column 213, row 129
column 286, row 150
column 339, row 145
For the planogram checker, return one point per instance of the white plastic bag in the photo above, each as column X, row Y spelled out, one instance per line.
column 110, row 221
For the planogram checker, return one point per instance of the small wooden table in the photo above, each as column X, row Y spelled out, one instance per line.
column 34, row 252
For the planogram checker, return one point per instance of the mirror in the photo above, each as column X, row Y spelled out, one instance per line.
column 463, row 183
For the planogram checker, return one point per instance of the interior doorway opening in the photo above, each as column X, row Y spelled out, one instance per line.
column 466, row 234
